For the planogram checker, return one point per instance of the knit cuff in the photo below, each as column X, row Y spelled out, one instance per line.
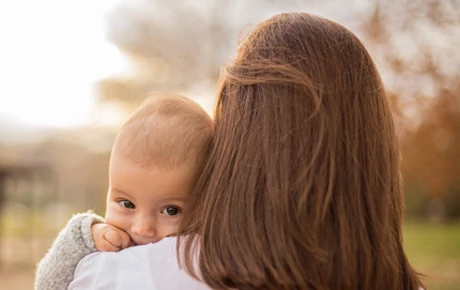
column 86, row 220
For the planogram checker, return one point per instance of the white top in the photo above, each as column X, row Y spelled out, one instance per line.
column 152, row 266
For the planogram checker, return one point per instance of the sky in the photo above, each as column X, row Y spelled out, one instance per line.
column 51, row 54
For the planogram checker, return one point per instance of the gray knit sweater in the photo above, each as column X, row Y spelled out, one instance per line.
column 55, row 271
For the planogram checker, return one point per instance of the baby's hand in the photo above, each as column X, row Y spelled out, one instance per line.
column 108, row 238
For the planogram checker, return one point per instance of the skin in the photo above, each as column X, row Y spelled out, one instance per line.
column 144, row 204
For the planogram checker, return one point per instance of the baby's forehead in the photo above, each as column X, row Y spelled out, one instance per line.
column 160, row 182
column 158, row 149
column 144, row 160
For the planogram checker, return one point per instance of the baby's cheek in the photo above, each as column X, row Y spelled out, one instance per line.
column 170, row 229
column 116, row 219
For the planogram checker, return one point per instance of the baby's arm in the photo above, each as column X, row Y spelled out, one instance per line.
column 55, row 271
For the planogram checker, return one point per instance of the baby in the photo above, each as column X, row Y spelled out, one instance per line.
column 154, row 163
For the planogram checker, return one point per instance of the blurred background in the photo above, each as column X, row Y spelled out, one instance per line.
column 72, row 71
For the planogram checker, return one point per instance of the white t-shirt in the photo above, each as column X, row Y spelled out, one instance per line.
column 152, row 266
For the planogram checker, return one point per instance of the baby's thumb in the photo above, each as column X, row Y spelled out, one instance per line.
column 125, row 240
column 113, row 237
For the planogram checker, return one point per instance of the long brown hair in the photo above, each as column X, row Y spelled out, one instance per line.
column 302, row 188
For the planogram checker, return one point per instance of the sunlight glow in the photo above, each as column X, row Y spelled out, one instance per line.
column 52, row 53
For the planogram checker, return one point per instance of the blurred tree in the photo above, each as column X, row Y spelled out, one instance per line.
column 177, row 45
column 172, row 45
column 417, row 43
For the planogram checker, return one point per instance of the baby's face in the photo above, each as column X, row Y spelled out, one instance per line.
column 146, row 203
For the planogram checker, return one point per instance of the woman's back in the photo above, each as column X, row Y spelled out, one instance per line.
column 302, row 189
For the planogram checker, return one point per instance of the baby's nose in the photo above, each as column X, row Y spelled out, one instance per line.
column 144, row 227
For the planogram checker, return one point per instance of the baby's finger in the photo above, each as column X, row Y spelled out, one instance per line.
column 107, row 247
column 114, row 238
column 125, row 240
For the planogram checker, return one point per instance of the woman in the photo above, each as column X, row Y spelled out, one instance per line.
column 302, row 189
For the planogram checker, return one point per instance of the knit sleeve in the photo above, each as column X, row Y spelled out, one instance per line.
column 55, row 271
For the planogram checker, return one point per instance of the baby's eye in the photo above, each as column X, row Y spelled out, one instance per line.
column 127, row 204
column 171, row 210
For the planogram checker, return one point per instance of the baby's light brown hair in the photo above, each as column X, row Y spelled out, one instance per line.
column 165, row 132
